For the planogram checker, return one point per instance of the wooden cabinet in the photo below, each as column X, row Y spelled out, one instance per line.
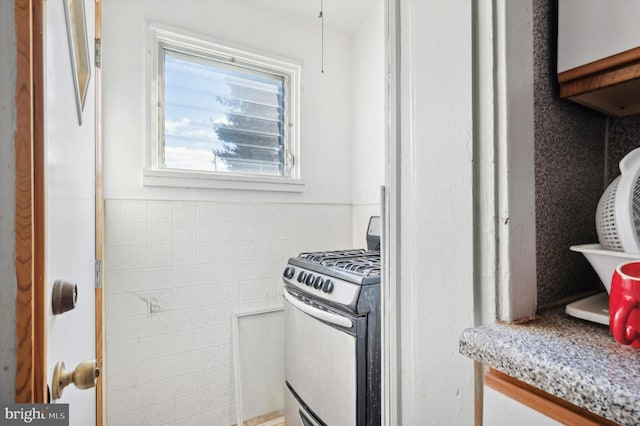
column 509, row 401
column 599, row 54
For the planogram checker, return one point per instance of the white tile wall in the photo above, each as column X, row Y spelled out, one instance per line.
column 175, row 271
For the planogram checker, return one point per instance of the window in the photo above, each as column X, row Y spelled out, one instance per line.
column 220, row 116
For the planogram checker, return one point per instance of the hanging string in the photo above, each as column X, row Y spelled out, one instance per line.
column 321, row 16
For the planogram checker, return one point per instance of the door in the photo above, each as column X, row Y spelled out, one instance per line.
column 69, row 194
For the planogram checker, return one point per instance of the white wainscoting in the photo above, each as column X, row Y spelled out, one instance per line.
column 175, row 271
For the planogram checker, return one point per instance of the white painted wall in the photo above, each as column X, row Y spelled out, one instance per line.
column 180, row 261
column 514, row 150
column 464, row 200
column 369, row 124
column 325, row 100
column 7, row 206
column 435, row 289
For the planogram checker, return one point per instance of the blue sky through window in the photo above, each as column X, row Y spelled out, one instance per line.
column 219, row 117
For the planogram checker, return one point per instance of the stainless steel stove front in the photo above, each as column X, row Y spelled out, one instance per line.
column 325, row 364
column 332, row 336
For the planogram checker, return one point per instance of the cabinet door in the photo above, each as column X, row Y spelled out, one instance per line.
column 590, row 30
column 500, row 410
column 508, row 401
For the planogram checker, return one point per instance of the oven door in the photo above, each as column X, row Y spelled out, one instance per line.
column 295, row 413
column 321, row 365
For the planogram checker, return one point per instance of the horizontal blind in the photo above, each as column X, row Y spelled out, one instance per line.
column 219, row 116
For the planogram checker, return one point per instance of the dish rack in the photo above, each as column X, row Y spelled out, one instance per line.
column 618, row 229
column 596, row 308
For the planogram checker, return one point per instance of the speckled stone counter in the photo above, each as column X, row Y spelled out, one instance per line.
column 572, row 359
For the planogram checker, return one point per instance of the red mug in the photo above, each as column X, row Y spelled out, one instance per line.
column 624, row 304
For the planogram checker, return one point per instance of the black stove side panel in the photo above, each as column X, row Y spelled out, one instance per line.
column 370, row 296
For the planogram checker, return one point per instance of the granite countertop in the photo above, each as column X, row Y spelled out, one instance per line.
column 572, row 359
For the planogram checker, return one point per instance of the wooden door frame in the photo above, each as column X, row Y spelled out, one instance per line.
column 31, row 379
column 31, row 374
column 99, row 212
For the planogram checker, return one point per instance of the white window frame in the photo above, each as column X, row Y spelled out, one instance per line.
column 159, row 37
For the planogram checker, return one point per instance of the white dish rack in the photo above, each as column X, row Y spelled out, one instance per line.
column 618, row 211
column 596, row 308
column 618, row 229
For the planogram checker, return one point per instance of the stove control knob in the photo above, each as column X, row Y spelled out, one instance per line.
column 317, row 284
column 302, row 276
column 309, row 280
column 328, row 286
column 289, row 272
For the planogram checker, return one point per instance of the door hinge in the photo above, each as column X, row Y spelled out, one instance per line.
column 98, row 53
column 98, row 273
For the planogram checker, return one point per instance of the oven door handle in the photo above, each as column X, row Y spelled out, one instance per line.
column 318, row 313
column 306, row 421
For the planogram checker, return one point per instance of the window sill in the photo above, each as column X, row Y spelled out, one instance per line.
column 185, row 179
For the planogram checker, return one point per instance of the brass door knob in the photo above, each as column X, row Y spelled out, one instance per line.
column 84, row 377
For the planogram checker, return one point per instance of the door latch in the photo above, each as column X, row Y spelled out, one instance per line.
column 64, row 296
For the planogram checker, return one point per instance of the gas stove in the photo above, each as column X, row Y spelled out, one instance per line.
column 334, row 277
column 332, row 318
column 359, row 266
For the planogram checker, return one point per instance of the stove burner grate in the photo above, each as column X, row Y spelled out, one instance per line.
column 322, row 256
column 368, row 265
